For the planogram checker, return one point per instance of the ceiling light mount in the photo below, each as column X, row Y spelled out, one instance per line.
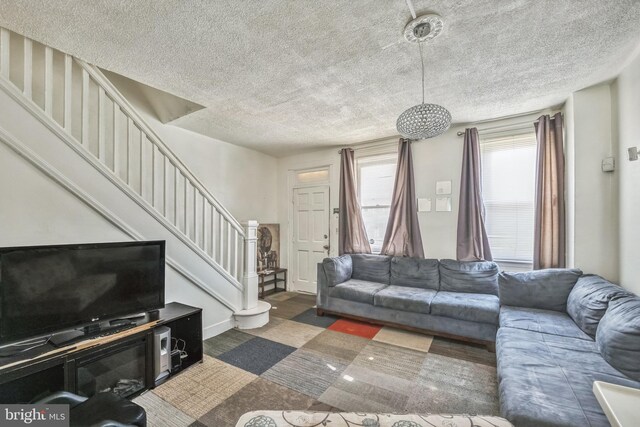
column 423, row 28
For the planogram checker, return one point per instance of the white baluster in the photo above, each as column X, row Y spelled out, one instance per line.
column 175, row 196
column 153, row 178
column 84, row 139
column 184, row 210
column 101, row 125
column 68, row 92
column 142, row 168
column 129, row 149
column 250, row 279
column 5, row 46
column 214, row 234
column 28, row 69
column 165, row 179
column 203, row 226
column 229, row 233
column 220, row 238
column 116, row 139
column 236, row 267
column 195, row 215
column 48, row 81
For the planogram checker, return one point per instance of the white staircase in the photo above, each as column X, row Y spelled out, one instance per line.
column 67, row 119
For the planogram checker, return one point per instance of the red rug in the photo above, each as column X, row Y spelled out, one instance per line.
column 364, row 330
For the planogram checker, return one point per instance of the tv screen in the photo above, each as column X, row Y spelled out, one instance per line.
column 50, row 288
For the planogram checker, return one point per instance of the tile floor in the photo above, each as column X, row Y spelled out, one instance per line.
column 302, row 361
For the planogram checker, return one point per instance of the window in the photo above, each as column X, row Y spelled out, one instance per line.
column 376, row 176
column 508, row 180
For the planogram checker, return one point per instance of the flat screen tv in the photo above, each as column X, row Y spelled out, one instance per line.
column 44, row 289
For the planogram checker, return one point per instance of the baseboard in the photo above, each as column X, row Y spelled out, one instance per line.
column 217, row 328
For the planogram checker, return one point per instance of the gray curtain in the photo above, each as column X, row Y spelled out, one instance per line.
column 472, row 241
column 352, row 238
column 402, row 237
column 549, row 238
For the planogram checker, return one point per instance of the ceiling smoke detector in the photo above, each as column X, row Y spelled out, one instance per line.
column 423, row 28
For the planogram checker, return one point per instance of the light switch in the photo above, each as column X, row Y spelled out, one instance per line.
column 608, row 164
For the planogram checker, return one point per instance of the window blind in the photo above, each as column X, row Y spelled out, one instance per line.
column 508, row 180
column 376, row 176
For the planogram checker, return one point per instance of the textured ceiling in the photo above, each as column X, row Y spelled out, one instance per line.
column 283, row 76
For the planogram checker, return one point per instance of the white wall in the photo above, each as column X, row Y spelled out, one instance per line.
column 627, row 97
column 592, row 195
column 35, row 210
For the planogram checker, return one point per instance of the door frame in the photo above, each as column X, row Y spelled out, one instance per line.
column 292, row 184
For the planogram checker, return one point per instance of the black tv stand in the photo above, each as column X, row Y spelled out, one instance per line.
column 92, row 365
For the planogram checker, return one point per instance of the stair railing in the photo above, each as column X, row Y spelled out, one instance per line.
column 88, row 108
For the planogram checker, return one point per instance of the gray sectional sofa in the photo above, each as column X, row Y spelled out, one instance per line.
column 559, row 332
column 447, row 297
column 556, row 331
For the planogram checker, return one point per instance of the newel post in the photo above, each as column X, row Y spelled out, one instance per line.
column 250, row 280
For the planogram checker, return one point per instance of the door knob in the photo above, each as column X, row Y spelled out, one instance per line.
column 325, row 236
column 326, row 247
column 371, row 241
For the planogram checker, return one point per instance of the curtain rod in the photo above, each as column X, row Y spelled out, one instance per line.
column 371, row 144
column 506, row 127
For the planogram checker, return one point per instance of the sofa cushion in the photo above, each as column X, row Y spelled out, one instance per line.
column 618, row 335
column 356, row 290
column 546, row 380
column 543, row 289
column 536, row 320
column 405, row 298
column 529, row 348
column 483, row 308
column 373, row 268
column 415, row 272
column 338, row 269
column 480, row 277
column 588, row 301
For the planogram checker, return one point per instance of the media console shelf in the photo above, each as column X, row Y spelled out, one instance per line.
column 122, row 362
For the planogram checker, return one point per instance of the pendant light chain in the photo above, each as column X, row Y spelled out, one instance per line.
column 422, row 62
column 423, row 121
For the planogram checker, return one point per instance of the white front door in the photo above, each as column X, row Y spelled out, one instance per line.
column 310, row 235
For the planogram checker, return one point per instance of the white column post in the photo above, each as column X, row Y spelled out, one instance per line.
column 250, row 278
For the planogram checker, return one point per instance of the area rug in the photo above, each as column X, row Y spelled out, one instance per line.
column 302, row 364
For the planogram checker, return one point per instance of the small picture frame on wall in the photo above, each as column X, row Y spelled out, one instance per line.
column 443, row 187
column 443, row 204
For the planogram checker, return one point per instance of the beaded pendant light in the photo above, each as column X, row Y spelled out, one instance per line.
column 423, row 121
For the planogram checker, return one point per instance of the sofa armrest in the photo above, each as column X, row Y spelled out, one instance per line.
column 542, row 289
column 337, row 269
